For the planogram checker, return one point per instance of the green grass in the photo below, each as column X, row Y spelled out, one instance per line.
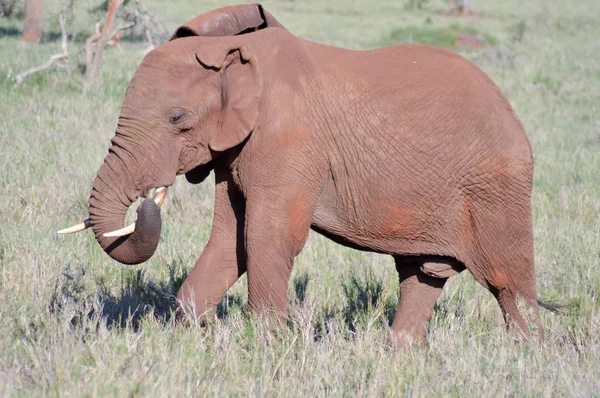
column 447, row 37
column 75, row 323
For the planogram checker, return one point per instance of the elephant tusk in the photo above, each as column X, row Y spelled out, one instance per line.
column 158, row 198
column 160, row 195
column 128, row 230
column 76, row 228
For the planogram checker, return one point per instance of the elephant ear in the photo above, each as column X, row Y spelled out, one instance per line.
column 241, row 89
column 228, row 21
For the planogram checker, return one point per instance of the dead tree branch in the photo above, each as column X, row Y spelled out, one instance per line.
column 6, row 7
column 113, row 39
column 147, row 25
column 115, row 36
column 62, row 57
column 94, row 62
column 146, row 17
column 460, row 7
column 89, row 46
column 102, row 36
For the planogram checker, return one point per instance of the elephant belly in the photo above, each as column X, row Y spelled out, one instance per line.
column 385, row 222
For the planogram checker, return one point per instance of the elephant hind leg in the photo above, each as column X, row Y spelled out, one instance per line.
column 496, row 245
column 512, row 316
column 419, row 292
column 503, row 262
column 507, row 296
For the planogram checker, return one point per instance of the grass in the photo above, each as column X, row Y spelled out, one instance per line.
column 447, row 37
column 73, row 322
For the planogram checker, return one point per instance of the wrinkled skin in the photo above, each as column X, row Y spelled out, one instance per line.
column 408, row 150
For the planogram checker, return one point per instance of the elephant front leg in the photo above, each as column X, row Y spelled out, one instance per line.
column 276, row 233
column 223, row 260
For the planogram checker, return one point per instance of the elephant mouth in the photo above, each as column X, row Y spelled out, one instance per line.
column 159, row 197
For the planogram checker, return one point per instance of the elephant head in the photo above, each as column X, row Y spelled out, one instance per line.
column 136, row 163
column 228, row 21
column 190, row 101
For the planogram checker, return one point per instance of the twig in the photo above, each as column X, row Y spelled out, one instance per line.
column 64, row 56
column 92, row 66
column 89, row 45
column 62, row 20
column 115, row 36
column 143, row 14
column 149, row 21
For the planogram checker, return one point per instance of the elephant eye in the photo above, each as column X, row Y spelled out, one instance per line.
column 176, row 117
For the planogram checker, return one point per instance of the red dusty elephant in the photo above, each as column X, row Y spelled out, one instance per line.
column 408, row 150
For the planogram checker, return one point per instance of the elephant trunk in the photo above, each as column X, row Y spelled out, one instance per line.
column 112, row 193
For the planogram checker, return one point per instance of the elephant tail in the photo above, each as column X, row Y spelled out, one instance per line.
column 552, row 307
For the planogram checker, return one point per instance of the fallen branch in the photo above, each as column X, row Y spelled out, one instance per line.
column 51, row 61
column 64, row 56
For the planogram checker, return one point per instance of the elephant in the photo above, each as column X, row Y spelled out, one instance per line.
column 409, row 150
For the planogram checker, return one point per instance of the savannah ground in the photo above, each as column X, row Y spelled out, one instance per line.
column 75, row 323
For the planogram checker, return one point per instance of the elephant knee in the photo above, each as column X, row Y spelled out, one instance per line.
column 442, row 268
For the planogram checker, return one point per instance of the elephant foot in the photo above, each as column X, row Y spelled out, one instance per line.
column 403, row 340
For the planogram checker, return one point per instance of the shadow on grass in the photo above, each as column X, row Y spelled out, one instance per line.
column 138, row 298
column 365, row 303
column 364, row 297
column 11, row 32
column 47, row 36
column 300, row 287
column 230, row 304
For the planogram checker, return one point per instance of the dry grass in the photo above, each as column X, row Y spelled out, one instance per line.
column 72, row 322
